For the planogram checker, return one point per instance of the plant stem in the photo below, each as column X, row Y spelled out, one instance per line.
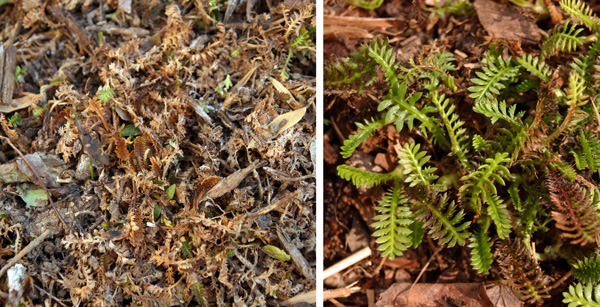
column 562, row 127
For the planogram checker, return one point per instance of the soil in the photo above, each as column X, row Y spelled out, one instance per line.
column 413, row 30
column 170, row 152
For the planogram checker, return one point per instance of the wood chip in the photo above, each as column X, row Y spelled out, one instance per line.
column 231, row 182
column 296, row 255
column 77, row 34
column 505, row 22
column 7, row 71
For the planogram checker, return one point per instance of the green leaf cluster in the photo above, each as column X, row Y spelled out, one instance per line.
column 490, row 169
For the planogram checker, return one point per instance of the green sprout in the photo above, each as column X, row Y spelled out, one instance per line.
column 227, row 83
column 20, row 73
column 105, row 93
column 15, row 120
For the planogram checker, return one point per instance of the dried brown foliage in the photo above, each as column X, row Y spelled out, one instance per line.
column 152, row 99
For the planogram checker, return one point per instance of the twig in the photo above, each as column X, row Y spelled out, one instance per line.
column 425, row 268
column 25, row 251
column 561, row 280
column 295, row 254
column 50, row 295
column 352, row 259
column 37, row 176
column 329, row 295
column 309, row 297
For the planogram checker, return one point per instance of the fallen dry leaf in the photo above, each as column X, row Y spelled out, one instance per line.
column 502, row 21
column 425, row 295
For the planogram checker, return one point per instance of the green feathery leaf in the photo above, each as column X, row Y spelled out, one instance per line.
column 382, row 53
column 456, row 133
column 481, row 180
column 479, row 143
column 582, row 12
column 364, row 131
column 562, row 38
column 582, row 295
column 481, row 251
column 401, row 110
column 351, row 69
column 497, row 110
column 362, row 178
column 535, row 66
column 496, row 209
column 587, row 270
column 445, row 227
column 493, row 78
column 392, row 233
column 591, row 150
column 413, row 160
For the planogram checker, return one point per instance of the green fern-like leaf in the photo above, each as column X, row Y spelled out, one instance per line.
column 591, row 150
column 418, row 230
column 435, row 67
column 582, row 12
column 479, row 144
column 576, row 89
column 447, row 227
column 413, row 160
column 493, row 78
column 579, row 158
column 456, row 133
column 482, row 180
column 496, row 209
column 535, row 66
column 349, row 70
column 402, row 111
column 582, row 295
column 362, row 178
column 383, row 54
column 587, row 270
column 526, row 85
column 364, row 131
column 497, row 110
column 393, row 234
column 565, row 168
column 562, row 38
column 481, row 251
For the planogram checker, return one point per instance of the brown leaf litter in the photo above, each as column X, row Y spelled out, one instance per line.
column 165, row 146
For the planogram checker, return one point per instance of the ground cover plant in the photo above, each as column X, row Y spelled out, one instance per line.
column 156, row 153
column 502, row 164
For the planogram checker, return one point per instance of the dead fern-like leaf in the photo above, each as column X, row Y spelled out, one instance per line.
column 520, row 271
column 575, row 215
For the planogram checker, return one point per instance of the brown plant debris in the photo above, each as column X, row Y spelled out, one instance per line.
column 150, row 123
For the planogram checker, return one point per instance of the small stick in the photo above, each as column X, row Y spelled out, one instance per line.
column 37, row 176
column 50, row 295
column 425, row 267
column 329, row 295
column 25, row 251
column 352, row 259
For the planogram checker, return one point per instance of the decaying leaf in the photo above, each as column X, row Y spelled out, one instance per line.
column 281, row 89
column 9, row 172
column 231, row 182
column 49, row 167
column 34, row 197
column 503, row 21
column 20, row 103
column 284, row 121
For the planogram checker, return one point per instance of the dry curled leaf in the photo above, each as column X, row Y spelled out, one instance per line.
column 283, row 122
